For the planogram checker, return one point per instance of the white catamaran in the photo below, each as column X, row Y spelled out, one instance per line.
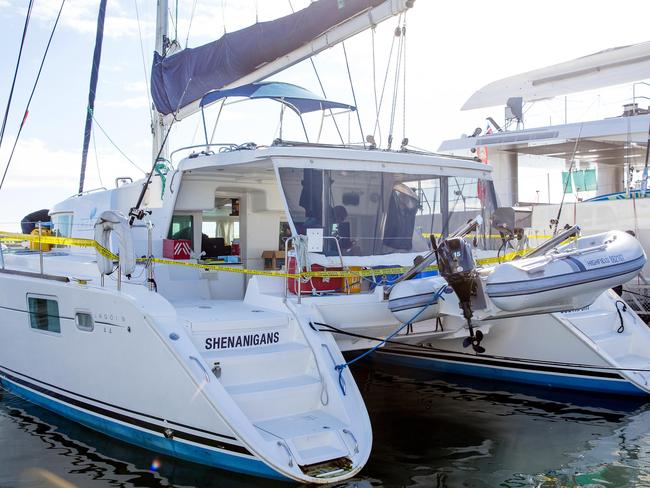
column 230, row 365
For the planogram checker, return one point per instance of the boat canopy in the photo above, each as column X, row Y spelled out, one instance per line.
column 295, row 97
column 251, row 54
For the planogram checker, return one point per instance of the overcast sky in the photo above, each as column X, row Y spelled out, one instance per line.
column 453, row 49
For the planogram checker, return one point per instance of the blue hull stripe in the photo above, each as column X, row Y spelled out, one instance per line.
column 142, row 436
column 578, row 380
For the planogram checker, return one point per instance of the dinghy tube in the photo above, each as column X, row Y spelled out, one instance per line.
column 570, row 276
column 407, row 298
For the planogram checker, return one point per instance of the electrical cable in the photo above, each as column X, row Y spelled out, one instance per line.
column 31, row 95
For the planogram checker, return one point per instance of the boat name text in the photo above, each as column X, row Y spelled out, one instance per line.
column 229, row 342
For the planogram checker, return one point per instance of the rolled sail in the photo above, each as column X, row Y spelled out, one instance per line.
column 247, row 55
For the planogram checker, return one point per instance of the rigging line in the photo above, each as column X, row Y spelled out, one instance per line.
column 325, row 96
column 374, row 75
column 31, row 95
column 313, row 65
column 13, row 83
column 116, row 146
column 404, row 84
column 136, row 212
column 398, row 65
column 354, row 96
column 568, row 179
column 383, row 88
column 189, row 28
column 214, row 129
column 176, row 23
column 99, row 173
column 144, row 62
column 171, row 18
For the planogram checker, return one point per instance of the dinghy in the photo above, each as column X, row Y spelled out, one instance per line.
column 570, row 276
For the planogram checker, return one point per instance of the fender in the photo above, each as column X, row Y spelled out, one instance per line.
column 110, row 222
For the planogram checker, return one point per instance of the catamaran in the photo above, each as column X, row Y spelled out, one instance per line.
column 594, row 344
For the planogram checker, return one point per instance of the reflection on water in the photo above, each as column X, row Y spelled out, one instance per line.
column 428, row 431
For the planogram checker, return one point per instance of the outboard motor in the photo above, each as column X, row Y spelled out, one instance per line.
column 456, row 265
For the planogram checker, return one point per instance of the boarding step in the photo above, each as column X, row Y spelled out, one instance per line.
column 265, row 400
column 260, row 364
column 594, row 322
column 613, row 343
column 312, row 437
column 228, row 316
column 633, row 361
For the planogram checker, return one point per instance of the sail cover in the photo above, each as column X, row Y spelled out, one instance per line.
column 295, row 97
column 184, row 77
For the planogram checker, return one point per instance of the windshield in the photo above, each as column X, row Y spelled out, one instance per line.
column 373, row 212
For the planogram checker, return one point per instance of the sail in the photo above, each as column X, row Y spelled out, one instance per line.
column 258, row 51
column 605, row 68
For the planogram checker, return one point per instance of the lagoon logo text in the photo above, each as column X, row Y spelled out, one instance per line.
column 228, row 342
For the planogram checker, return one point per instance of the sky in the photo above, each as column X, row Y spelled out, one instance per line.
column 452, row 50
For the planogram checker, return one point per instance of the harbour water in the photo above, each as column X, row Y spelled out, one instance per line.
column 428, row 431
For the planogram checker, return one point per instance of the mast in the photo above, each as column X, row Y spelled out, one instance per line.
column 94, row 75
column 160, row 123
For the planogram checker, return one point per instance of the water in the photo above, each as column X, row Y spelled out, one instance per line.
column 429, row 431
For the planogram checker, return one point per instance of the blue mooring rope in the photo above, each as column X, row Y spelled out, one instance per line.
column 340, row 367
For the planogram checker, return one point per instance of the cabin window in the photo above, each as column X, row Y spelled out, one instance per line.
column 84, row 321
column 62, row 225
column 44, row 314
column 182, row 227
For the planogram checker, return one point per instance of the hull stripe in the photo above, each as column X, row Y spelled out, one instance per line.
column 572, row 380
column 504, row 364
column 159, row 429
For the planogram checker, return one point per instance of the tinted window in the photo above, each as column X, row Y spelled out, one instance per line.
column 44, row 314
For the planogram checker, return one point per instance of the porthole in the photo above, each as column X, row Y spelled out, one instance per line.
column 84, row 321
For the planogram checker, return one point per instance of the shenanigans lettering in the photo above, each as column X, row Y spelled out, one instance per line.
column 230, row 342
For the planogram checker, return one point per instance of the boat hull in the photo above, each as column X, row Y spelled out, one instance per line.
column 148, row 435
column 566, row 350
column 523, row 372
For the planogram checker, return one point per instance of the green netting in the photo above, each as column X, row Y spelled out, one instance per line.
column 567, row 186
column 579, row 180
column 591, row 183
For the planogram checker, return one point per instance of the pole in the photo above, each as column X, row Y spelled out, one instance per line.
column 161, row 124
column 644, row 181
column 40, row 246
column 94, row 74
column 150, row 281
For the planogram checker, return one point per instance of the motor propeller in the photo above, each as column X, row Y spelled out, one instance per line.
column 456, row 265
column 474, row 340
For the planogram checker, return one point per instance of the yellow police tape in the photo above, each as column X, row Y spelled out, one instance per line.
column 77, row 242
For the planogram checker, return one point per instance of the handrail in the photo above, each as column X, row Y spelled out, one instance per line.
column 196, row 360
column 197, row 146
column 356, row 444
column 288, row 451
